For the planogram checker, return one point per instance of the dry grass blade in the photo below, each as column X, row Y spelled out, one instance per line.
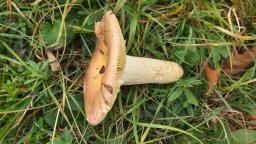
column 207, row 44
column 239, row 62
column 166, row 15
column 238, row 36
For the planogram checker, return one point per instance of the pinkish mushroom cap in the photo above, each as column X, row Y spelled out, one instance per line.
column 101, row 81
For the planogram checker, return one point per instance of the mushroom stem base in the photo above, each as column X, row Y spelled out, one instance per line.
column 146, row 70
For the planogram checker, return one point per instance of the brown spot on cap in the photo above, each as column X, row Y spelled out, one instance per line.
column 102, row 70
column 101, row 51
column 109, row 88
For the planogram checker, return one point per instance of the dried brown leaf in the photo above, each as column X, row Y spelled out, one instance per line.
column 55, row 66
column 23, row 90
column 252, row 117
column 212, row 76
column 239, row 62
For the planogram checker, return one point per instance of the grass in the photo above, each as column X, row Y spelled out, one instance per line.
column 41, row 106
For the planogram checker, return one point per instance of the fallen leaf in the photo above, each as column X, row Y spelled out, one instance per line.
column 239, row 62
column 23, row 90
column 237, row 119
column 55, row 66
column 252, row 117
column 212, row 75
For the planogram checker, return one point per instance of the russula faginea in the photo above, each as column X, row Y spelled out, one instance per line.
column 110, row 68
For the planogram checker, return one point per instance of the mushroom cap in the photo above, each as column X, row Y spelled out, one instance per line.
column 102, row 78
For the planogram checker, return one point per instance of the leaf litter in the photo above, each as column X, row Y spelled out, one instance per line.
column 212, row 76
column 238, row 63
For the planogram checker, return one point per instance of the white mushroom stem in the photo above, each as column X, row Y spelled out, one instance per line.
column 146, row 70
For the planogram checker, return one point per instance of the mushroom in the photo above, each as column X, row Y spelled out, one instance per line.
column 110, row 68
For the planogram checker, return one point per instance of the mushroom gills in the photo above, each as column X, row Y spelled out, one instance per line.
column 139, row 70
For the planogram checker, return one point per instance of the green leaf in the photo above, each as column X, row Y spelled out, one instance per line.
column 243, row 136
column 191, row 99
column 133, row 26
column 193, row 58
column 218, row 53
column 185, row 139
column 191, row 82
column 75, row 102
column 174, row 95
column 50, row 118
column 49, row 33
column 119, row 5
column 65, row 138
column 190, row 56
column 249, row 74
